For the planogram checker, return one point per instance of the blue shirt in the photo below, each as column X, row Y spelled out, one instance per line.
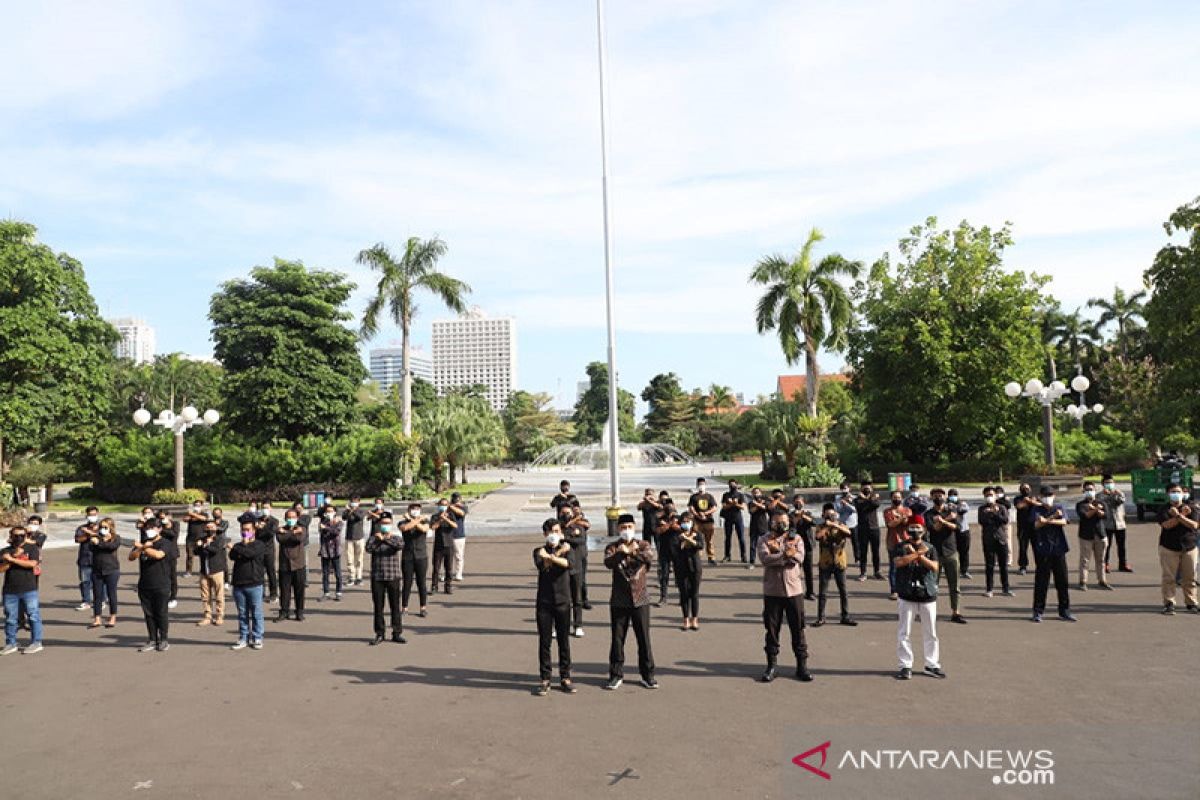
column 1050, row 540
column 847, row 513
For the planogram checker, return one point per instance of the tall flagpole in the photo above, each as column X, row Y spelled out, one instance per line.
column 614, row 438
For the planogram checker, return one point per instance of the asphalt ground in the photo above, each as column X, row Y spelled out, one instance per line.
column 319, row 713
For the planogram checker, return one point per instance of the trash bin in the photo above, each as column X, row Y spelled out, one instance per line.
column 899, row 481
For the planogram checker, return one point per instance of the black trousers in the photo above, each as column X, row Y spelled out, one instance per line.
column 621, row 617
column 735, row 525
column 687, row 580
column 1119, row 535
column 414, row 570
column 272, row 584
column 868, row 537
column 665, row 562
column 175, row 578
column 291, row 581
column 1048, row 565
column 154, row 606
column 576, row 600
column 105, row 586
column 583, row 595
column 839, row 577
column 443, row 563
column 389, row 590
column 755, row 537
column 189, row 547
column 554, row 622
column 1024, row 540
column 774, row 611
column 962, row 539
column 994, row 553
column 807, row 566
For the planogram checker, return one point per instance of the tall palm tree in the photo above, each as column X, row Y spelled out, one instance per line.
column 399, row 281
column 1123, row 309
column 1074, row 335
column 720, row 398
column 806, row 305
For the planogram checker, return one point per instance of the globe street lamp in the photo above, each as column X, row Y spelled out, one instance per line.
column 178, row 424
column 1047, row 396
column 1077, row 412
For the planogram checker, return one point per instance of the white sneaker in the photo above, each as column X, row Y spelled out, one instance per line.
column 238, row 645
column 173, row 604
column 36, row 647
column 578, row 633
column 83, row 606
column 256, row 645
column 9, row 650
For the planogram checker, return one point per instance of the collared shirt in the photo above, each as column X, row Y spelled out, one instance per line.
column 1181, row 538
column 833, row 548
column 782, row 576
column 385, row 556
column 867, row 508
column 1114, row 509
column 1089, row 527
column 847, row 513
column 1050, row 540
column 629, row 574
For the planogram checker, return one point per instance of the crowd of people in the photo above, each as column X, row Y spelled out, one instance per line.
column 926, row 541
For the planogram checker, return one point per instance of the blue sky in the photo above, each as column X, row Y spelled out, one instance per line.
column 172, row 146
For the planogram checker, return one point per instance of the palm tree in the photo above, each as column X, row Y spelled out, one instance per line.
column 1123, row 309
column 719, row 398
column 1074, row 335
column 399, row 281
column 806, row 305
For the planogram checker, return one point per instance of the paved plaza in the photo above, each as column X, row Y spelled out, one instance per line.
column 319, row 713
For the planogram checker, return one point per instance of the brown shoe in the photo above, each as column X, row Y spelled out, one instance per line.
column 203, row 622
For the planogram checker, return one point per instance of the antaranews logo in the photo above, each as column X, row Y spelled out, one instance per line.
column 1008, row 767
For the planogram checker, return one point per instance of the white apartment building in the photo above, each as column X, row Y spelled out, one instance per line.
column 386, row 365
column 137, row 339
column 475, row 348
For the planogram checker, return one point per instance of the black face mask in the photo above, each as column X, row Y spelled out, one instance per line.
column 16, row 541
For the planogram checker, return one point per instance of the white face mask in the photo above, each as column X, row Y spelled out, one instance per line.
column 1108, row 487
column 1089, row 494
column 627, row 536
column 991, row 498
column 104, row 530
column 34, row 527
column 1048, row 499
column 414, row 513
column 553, row 540
column 92, row 518
column 700, row 488
column 687, row 526
column 354, row 505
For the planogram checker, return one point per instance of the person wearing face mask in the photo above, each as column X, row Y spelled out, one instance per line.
column 666, row 542
column 414, row 560
column 210, row 553
column 83, row 560
column 355, row 518
column 688, row 570
column 629, row 560
column 1010, row 529
column 154, row 556
column 942, row 523
column 993, row 520
column 385, row 546
column 760, row 520
column 293, row 543
column 801, row 523
column 866, row 506
column 733, row 506
column 265, row 529
column 444, row 524
column 1178, row 522
column 650, row 508
column 1050, row 550
column 34, row 534
column 704, row 508
column 329, row 531
column 576, row 538
column 249, row 557
column 915, row 501
column 169, row 530
column 553, row 613
column 458, row 507
column 781, row 553
column 581, row 524
column 196, row 519
column 1092, row 540
column 564, row 497
column 962, row 538
column 917, row 585
column 895, row 518
column 106, row 570
column 831, row 537
column 1027, row 506
column 21, row 564
column 1113, row 500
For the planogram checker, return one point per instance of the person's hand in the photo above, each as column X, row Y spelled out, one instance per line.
column 1172, row 511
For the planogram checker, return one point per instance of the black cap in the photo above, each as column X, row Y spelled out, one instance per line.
column 1047, row 490
column 626, row 519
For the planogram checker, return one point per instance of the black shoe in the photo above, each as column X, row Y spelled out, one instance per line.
column 377, row 640
column 398, row 639
column 162, row 647
column 934, row 672
column 1067, row 616
column 281, row 616
column 650, row 683
column 725, row 560
column 818, row 622
column 542, row 689
column 768, row 674
column 566, row 686
column 1021, row 571
column 712, row 562
column 879, row 576
column 299, row 616
column 802, row 674
column 613, row 683
column 959, row 618
column 810, row 597
column 423, row 613
column 847, row 621
column 587, row 606
column 905, row 674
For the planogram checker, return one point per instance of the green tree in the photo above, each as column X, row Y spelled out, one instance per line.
column 291, row 366
column 459, row 430
column 400, row 279
column 591, row 412
column 942, row 332
column 1173, row 325
column 1126, row 310
column 56, row 357
column 170, row 381
column 532, row 425
column 670, row 406
column 806, row 305
column 1075, row 338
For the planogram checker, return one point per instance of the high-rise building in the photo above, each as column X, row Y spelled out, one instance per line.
column 475, row 348
column 387, row 365
column 137, row 339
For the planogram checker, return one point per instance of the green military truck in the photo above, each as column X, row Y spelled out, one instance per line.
column 1150, row 486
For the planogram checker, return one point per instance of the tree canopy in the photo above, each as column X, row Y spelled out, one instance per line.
column 591, row 412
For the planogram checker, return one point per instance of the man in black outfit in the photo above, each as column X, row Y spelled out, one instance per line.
column 650, row 509
column 155, row 556
column 733, row 503
column 1050, row 549
column 760, row 520
column 265, row 531
column 293, row 539
column 553, row 607
column 1027, row 506
column 385, row 547
column 802, row 524
column 866, row 505
column 630, row 562
column 564, row 497
column 414, row 560
column 444, row 524
column 576, row 537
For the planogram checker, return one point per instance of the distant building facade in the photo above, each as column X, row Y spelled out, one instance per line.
column 476, row 349
column 137, row 340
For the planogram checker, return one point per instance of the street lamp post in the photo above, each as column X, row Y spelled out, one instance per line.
column 1048, row 396
column 178, row 424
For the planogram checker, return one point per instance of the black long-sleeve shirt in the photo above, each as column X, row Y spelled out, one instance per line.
column 249, row 563
column 104, row 556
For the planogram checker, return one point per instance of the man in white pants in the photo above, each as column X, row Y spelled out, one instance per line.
column 917, row 584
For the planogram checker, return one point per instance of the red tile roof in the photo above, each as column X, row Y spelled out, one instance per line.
column 789, row 385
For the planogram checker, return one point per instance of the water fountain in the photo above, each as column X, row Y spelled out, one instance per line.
column 595, row 455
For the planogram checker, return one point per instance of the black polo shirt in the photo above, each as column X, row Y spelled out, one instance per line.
column 1180, row 538
column 554, row 582
column 19, row 580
